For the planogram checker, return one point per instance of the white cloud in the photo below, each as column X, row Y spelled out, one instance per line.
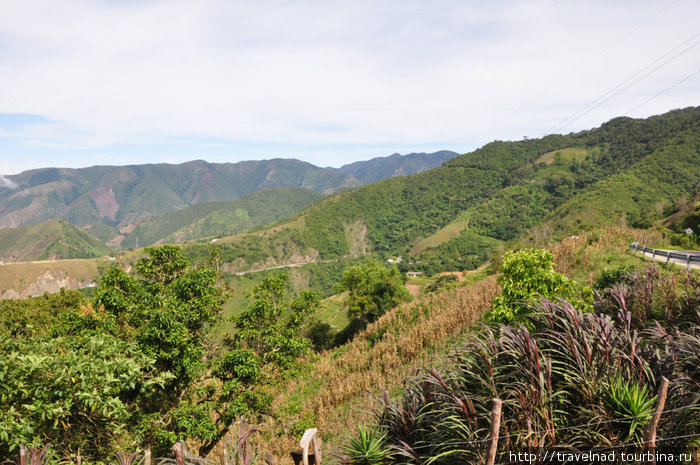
column 314, row 73
column 7, row 182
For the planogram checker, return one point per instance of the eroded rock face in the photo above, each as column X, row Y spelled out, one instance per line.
column 51, row 281
column 10, row 294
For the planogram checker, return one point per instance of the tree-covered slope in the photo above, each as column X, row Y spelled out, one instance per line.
column 109, row 197
column 120, row 195
column 211, row 219
column 380, row 168
column 54, row 239
column 496, row 193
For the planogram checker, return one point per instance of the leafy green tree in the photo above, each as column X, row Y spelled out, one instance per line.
column 373, row 289
column 240, row 364
column 527, row 275
column 114, row 373
column 72, row 391
column 271, row 324
column 167, row 307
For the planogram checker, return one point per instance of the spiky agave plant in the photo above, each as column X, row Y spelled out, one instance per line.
column 631, row 405
column 369, row 447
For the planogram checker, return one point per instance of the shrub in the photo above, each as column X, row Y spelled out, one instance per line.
column 240, row 364
column 527, row 275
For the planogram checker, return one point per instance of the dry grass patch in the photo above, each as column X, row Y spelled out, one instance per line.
column 340, row 386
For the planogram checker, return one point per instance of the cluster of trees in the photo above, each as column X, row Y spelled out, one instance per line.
column 138, row 365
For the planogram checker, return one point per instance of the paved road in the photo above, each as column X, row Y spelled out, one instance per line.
column 677, row 261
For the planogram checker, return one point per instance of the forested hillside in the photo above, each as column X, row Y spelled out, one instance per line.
column 453, row 216
column 109, row 198
column 211, row 219
column 55, row 239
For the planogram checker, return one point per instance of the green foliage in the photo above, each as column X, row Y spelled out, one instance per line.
column 373, row 289
column 271, row 325
column 193, row 420
column 240, row 364
column 633, row 404
column 35, row 316
column 53, row 239
column 368, row 447
column 322, row 335
column 527, row 275
column 442, row 283
column 168, row 310
column 610, row 276
column 72, row 391
column 163, row 264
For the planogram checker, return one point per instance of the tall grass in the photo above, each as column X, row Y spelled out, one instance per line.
column 336, row 389
column 578, row 381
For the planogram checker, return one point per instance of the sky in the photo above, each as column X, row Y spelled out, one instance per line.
column 117, row 82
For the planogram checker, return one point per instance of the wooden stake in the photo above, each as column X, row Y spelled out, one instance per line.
column 650, row 432
column 147, row 457
column 177, row 450
column 495, row 428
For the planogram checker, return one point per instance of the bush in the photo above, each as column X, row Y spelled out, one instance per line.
column 528, row 275
column 240, row 364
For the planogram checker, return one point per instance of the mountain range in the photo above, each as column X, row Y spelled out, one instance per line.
column 110, row 201
column 629, row 171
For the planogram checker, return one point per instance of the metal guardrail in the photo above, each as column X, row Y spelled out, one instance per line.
column 687, row 257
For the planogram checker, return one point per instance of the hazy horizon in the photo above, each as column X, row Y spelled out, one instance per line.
column 101, row 82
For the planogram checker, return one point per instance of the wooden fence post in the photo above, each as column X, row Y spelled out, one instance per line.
column 650, row 432
column 177, row 450
column 147, row 457
column 495, row 428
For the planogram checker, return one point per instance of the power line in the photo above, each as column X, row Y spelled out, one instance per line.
column 662, row 92
column 626, row 84
column 601, row 52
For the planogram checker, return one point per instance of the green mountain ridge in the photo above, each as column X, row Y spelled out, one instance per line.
column 394, row 165
column 117, row 196
column 210, row 219
column 625, row 168
column 53, row 239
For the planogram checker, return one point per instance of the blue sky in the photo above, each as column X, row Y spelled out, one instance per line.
column 329, row 82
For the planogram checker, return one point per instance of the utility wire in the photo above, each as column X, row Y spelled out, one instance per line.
column 563, row 77
column 626, row 84
column 662, row 92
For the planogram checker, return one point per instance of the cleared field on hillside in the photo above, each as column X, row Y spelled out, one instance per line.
column 567, row 155
column 19, row 276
